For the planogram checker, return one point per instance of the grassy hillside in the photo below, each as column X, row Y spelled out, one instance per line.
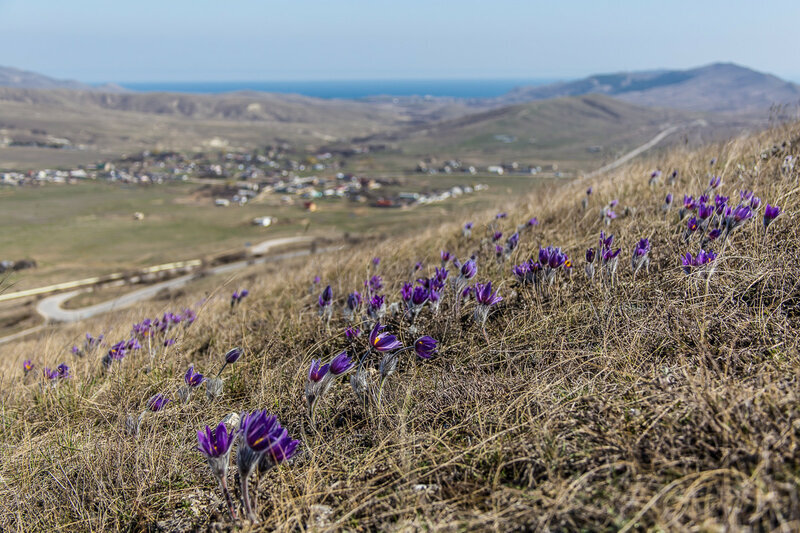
column 667, row 402
column 585, row 130
column 99, row 124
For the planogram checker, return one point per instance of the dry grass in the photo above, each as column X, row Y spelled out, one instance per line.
column 664, row 404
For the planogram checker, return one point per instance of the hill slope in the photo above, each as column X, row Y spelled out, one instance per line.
column 716, row 87
column 588, row 129
column 654, row 401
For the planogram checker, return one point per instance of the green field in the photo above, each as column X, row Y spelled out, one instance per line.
column 77, row 231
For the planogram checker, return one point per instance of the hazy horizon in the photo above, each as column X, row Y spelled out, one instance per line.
column 182, row 40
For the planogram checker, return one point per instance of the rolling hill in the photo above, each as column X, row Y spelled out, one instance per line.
column 720, row 87
column 587, row 129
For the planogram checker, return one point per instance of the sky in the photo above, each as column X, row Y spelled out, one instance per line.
column 234, row 40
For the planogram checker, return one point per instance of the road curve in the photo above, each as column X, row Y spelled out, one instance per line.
column 50, row 308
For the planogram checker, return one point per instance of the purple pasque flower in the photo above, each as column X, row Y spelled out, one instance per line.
column 485, row 296
column 745, row 195
column 551, row 259
column 715, row 182
column 189, row 316
column 50, row 374
column 233, row 355
column 434, row 298
column 446, row 257
column 589, row 191
column 467, row 293
column 703, row 257
column 425, row 347
column 238, row 296
column 382, row 342
column 376, row 261
column 376, row 307
column 143, row 329
column 319, row 380
column 340, row 364
column 520, row 272
column 193, row 379
column 485, row 299
column 467, row 229
column 692, row 225
column 668, row 201
column 318, row 371
column 419, row 296
column 609, row 262
column 720, row 203
column 352, row 304
column 468, row 270
column 755, row 202
column 325, row 298
column 352, row 332
column 27, row 366
column 704, row 211
column 157, row 402
column 512, row 242
column 498, row 216
column 262, row 437
column 605, row 241
column 497, row 236
column 406, row 292
column 133, row 345
column 770, row 214
column 117, row 351
column 216, row 446
column 62, row 371
column 688, row 203
column 375, row 284
column 532, row 222
column 641, row 256
column 737, row 216
column 607, row 214
column 591, row 254
column 438, row 279
column 714, row 234
column 169, row 342
column 284, row 448
column 77, row 352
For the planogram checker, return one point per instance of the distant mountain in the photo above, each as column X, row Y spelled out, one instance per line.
column 23, row 79
column 722, row 87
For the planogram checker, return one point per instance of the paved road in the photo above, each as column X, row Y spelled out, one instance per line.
column 50, row 308
column 643, row 148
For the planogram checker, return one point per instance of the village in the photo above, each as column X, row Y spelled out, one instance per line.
column 277, row 174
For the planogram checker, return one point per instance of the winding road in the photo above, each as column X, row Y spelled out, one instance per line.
column 50, row 307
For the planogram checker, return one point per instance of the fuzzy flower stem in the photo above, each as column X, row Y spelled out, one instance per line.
column 223, row 485
column 248, row 508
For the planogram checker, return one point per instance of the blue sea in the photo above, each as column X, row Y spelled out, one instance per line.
column 347, row 89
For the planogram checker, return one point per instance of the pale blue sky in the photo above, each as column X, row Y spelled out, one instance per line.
column 169, row 40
